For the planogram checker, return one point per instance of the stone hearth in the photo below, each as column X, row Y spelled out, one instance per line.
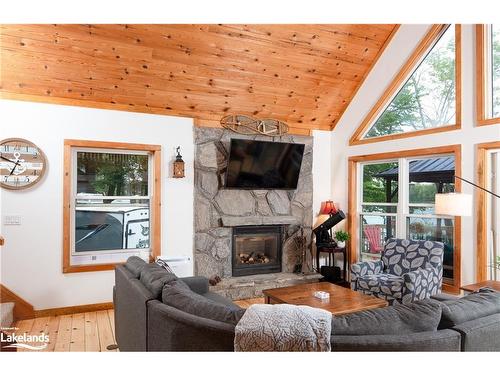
column 252, row 286
column 217, row 210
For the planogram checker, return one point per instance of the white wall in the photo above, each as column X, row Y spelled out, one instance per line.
column 381, row 75
column 322, row 181
column 31, row 258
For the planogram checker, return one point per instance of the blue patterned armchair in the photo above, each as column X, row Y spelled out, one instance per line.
column 407, row 271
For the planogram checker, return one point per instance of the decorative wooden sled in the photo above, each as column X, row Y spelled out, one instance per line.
column 248, row 125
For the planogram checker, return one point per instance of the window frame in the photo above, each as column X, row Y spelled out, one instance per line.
column 72, row 146
column 481, row 200
column 354, row 184
column 420, row 52
column 483, row 77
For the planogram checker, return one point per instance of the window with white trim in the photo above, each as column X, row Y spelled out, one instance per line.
column 110, row 205
column 397, row 200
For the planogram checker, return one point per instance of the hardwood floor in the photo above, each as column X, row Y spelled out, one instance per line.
column 84, row 332
column 246, row 303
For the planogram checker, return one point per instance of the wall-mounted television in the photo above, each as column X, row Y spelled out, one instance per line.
column 263, row 165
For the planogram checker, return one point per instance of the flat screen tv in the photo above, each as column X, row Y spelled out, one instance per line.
column 263, row 165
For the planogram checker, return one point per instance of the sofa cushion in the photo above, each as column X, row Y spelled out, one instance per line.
column 219, row 299
column 179, row 284
column 473, row 306
column 192, row 303
column 419, row 316
column 154, row 277
column 135, row 265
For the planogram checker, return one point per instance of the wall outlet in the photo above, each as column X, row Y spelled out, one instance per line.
column 12, row 220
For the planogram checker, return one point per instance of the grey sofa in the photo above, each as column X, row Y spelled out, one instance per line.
column 144, row 322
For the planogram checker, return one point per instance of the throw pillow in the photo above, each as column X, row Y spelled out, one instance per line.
column 195, row 304
column 470, row 307
column 419, row 316
column 155, row 277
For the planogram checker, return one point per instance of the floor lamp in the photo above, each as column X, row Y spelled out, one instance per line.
column 458, row 204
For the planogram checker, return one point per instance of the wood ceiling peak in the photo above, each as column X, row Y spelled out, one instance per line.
column 304, row 75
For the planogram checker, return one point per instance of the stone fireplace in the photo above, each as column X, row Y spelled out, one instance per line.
column 219, row 212
column 256, row 249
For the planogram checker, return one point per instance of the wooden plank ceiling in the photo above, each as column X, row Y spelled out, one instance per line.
column 304, row 75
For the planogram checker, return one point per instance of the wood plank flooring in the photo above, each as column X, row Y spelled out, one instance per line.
column 84, row 332
column 246, row 303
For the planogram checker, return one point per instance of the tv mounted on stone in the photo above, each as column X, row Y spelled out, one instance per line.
column 263, row 165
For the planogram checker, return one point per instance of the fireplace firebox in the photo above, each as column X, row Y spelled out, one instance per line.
column 257, row 249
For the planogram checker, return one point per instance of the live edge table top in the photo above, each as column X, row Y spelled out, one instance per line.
column 342, row 300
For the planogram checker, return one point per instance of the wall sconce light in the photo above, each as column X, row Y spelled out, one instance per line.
column 178, row 164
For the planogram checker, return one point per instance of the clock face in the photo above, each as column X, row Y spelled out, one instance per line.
column 22, row 163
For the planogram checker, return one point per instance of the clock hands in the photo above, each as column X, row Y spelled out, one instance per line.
column 13, row 169
column 16, row 163
column 4, row 158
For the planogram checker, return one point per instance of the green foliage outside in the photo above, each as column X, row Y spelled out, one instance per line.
column 115, row 175
column 374, row 188
column 496, row 70
column 427, row 99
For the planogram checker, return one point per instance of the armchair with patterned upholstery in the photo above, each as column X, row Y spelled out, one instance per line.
column 407, row 271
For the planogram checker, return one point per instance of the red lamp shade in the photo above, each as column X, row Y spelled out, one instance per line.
column 328, row 208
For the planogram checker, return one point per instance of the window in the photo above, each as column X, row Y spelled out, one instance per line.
column 488, row 212
column 495, row 70
column 379, row 208
column 488, row 74
column 395, row 197
column 493, row 212
column 424, row 97
column 112, row 203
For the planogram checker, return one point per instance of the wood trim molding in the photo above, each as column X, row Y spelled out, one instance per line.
column 22, row 308
column 352, row 215
column 481, row 79
column 25, row 310
column 423, row 47
column 481, row 209
column 375, row 60
column 155, row 151
column 74, row 309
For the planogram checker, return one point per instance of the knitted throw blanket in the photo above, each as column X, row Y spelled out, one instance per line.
column 284, row 328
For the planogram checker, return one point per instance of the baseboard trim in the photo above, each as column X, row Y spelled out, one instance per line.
column 74, row 309
column 25, row 310
column 22, row 308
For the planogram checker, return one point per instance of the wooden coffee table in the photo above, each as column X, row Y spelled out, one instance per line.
column 342, row 300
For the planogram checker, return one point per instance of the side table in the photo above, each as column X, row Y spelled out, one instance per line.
column 331, row 250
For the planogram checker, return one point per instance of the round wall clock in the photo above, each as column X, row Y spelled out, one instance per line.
column 22, row 163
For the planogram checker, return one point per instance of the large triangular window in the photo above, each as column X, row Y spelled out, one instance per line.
column 423, row 97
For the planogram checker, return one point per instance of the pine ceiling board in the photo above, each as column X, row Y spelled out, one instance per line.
column 311, row 45
column 304, row 75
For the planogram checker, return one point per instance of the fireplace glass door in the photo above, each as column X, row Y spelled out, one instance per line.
column 256, row 249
